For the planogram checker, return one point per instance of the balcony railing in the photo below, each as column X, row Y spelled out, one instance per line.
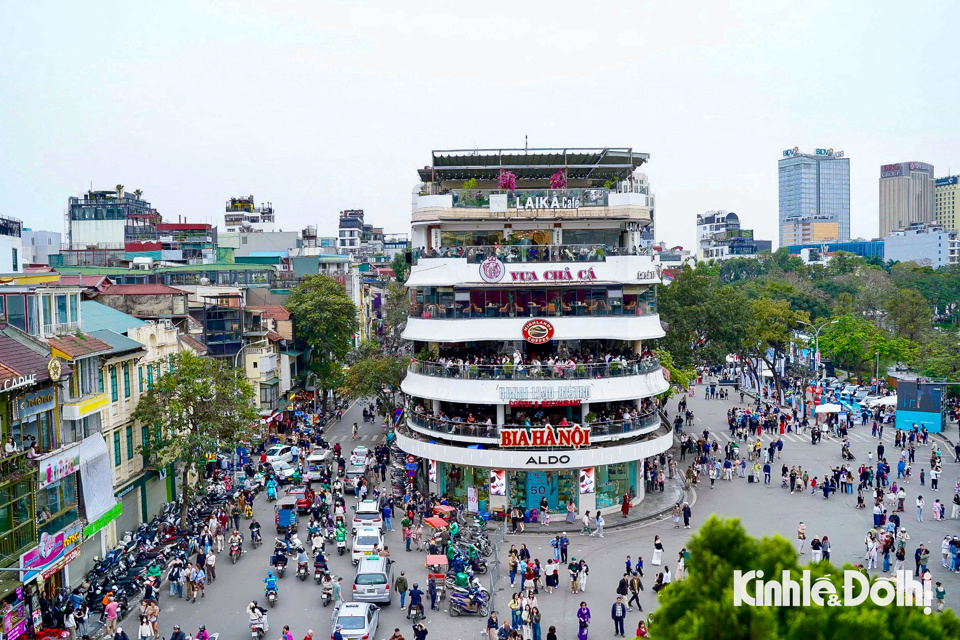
column 573, row 371
column 541, row 198
column 15, row 466
column 530, row 253
column 455, row 311
column 491, row 432
column 60, row 328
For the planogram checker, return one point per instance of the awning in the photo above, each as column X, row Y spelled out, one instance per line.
column 272, row 381
column 292, row 352
column 95, row 465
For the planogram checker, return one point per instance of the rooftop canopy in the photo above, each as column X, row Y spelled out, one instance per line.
column 533, row 164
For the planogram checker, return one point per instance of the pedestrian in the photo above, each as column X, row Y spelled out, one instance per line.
column 173, row 578
column 153, row 616
column 657, row 551
column 635, row 588
column 401, row 586
column 574, row 570
column 939, row 593
column 110, row 614
column 535, row 619
column 211, row 565
column 199, row 578
column 920, row 504
column 120, row 634
column 80, row 615
column 599, row 524
column 564, row 544
column 492, row 625
column 552, row 633
column 144, row 630
column 70, row 624
column 619, row 613
column 801, row 538
column 687, row 512
column 583, row 621
column 625, row 505
column 388, row 516
column 676, row 516
column 582, row 576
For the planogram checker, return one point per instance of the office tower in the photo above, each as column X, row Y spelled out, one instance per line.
column 906, row 195
column 815, row 188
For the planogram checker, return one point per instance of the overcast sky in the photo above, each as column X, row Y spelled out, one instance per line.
column 322, row 106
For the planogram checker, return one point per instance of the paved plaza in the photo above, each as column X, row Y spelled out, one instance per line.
column 769, row 510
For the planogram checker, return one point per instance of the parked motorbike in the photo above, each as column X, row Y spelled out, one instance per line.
column 464, row 602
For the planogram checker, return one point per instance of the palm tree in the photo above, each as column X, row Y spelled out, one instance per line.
column 119, row 189
column 138, row 193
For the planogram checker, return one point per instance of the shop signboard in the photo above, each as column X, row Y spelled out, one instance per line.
column 537, row 331
column 473, row 500
column 570, row 436
column 53, row 552
column 15, row 617
column 59, row 465
column 432, row 471
column 33, row 403
column 536, row 393
column 103, row 520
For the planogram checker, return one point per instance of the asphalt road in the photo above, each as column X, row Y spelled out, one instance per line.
column 769, row 510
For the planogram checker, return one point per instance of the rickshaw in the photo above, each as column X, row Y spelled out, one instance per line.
column 286, row 509
column 437, row 567
column 445, row 511
column 439, row 526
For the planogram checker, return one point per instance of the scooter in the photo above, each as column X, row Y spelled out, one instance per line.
column 341, row 546
column 255, row 538
column 235, row 552
column 326, row 595
column 302, row 571
column 272, row 597
column 468, row 603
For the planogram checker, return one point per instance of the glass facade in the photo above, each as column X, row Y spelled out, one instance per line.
column 815, row 187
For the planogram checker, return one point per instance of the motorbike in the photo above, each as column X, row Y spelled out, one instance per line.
column 271, row 493
column 272, row 597
column 302, row 571
column 326, row 595
column 341, row 546
column 235, row 552
column 464, row 602
column 281, row 568
column 255, row 538
column 258, row 629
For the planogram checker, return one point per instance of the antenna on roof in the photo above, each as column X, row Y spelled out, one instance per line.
column 524, row 143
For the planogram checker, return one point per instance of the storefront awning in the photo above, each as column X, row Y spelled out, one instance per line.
column 94, row 466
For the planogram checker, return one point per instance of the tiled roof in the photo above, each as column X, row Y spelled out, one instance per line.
column 22, row 360
column 141, row 290
column 273, row 336
column 194, row 344
column 118, row 343
column 79, row 345
column 90, row 282
column 275, row 312
column 98, row 316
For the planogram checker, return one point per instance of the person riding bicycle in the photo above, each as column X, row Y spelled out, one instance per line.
column 270, row 583
column 416, row 602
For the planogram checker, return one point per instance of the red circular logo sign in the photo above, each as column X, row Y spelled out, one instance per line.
column 538, row 331
column 411, row 459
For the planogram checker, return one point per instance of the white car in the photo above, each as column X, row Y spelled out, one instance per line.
column 357, row 620
column 283, row 470
column 359, row 455
column 367, row 515
column 364, row 542
column 280, row 453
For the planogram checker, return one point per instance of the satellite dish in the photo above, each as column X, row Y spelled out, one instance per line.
column 204, row 281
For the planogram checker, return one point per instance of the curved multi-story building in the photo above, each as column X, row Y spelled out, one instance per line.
column 533, row 313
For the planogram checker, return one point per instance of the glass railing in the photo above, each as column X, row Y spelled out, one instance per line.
column 511, row 253
column 532, row 310
column 484, row 431
column 572, row 371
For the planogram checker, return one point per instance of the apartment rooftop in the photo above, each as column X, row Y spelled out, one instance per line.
column 596, row 165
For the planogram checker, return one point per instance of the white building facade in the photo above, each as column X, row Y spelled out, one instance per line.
column 533, row 313
column 924, row 244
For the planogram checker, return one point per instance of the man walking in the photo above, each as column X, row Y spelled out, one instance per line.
column 401, row 586
column 687, row 512
column 618, row 612
column 564, row 543
column 801, row 537
column 635, row 588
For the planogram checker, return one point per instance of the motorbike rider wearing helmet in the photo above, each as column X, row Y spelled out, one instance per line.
column 254, row 529
column 235, row 539
column 272, row 488
column 341, row 532
column 302, row 556
column 270, row 583
column 320, row 561
column 257, row 614
column 416, row 601
column 202, row 633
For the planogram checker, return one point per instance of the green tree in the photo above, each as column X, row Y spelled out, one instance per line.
column 702, row 605
column 680, row 376
column 400, row 267
column 908, row 314
column 119, row 189
column 138, row 193
column 326, row 320
column 198, row 408
column 376, row 376
column 396, row 303
column 769, row 332
column 940, row 356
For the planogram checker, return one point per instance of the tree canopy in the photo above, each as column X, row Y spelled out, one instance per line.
column 199, row 407
column 702, row 605
column 326, row 321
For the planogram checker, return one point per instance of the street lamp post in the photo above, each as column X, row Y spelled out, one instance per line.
column 816, row 337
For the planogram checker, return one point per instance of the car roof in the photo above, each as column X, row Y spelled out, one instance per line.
column 369, row 531
column 370, row 505
column 346, row 606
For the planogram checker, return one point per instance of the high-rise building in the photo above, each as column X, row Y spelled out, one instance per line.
column 906, row 195
column 815, row 186
column 947, row 202
column 804, row 230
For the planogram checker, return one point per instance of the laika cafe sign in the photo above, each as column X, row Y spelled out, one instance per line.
column 564, row 436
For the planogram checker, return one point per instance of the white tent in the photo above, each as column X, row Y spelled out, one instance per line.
column 887, row 401
column 829, row 408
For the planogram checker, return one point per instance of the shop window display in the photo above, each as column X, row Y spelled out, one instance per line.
column 613, row 480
